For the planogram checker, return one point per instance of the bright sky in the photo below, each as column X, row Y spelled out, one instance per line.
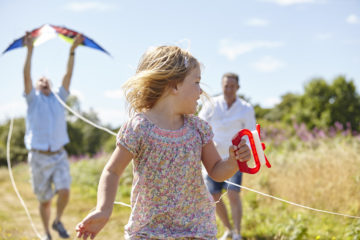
column 276, row 46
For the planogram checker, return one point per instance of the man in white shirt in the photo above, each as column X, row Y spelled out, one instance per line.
column 45, row 136
column 227, row 114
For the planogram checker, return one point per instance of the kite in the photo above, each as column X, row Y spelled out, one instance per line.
column 47, row 32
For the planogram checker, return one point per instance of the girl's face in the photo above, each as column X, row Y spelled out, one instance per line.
column 189, row 92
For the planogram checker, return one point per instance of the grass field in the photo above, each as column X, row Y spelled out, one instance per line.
column 323, row 174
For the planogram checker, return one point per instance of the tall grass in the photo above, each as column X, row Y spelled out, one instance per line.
column 321, row 173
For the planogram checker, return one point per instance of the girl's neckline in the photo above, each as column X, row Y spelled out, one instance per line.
column 165, row 129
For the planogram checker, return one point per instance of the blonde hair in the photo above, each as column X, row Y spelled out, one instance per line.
column 159, row 69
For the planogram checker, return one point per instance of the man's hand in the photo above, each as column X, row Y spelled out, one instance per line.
column 29, row 41
column 77, row 41
column 70, row 65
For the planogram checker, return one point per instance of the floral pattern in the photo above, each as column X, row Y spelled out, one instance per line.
column 169, row 198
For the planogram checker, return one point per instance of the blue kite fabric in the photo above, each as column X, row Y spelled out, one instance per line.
column 46, row 32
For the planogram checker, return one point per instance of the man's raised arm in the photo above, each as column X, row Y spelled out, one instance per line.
column 27, row 67
column 70, row 65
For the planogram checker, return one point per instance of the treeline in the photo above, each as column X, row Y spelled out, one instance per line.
column 321, row 106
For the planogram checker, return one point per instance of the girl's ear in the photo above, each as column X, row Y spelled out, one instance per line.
column 174, row 90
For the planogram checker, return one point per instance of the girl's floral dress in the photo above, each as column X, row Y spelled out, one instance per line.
column 169, row 198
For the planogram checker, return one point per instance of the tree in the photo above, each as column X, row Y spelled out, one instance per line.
column 323, row 104
column 344, row 103
column 18, row 153
column 313, row 106
column 84, row 138
column 282, row 111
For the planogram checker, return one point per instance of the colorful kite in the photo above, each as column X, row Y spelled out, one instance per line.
column 47, row 32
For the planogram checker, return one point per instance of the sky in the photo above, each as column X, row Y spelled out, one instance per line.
column 276, row 46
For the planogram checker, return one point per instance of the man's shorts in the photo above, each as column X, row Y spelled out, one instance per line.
column 49, row 173
column 216, row 187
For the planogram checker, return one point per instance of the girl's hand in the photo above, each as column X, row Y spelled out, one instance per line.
column 240, row 152
column 92, row 224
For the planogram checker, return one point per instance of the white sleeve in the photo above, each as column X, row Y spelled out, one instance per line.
column 250, row 119
column 206, row 112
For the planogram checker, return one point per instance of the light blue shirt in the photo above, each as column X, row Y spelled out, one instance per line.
column 45, row 121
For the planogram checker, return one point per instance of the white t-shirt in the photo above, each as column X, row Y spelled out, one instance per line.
column 226, row 122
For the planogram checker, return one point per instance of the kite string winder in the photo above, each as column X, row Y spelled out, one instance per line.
column 257, row 148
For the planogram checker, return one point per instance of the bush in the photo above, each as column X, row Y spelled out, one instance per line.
column 18, row 153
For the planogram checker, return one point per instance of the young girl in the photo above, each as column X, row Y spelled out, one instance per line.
column 167, row 145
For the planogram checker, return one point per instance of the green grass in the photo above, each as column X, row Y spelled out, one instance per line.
column 323, row 174
column 14, row 223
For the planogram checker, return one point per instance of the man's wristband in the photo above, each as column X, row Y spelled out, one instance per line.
column 72, row 53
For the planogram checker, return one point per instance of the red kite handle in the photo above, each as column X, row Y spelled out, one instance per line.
column 243, row 167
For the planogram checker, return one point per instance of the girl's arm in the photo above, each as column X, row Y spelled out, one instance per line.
column 91, row 225
column 221, row 169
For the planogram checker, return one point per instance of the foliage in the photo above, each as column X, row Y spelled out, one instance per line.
column 353, row 231
column 18, row 152
column 261, row 113
column 283, row 110
column 295, row 229
column 84, row 138
column 321, row 106
column 322, row 173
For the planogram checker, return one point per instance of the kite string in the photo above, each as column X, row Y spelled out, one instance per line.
column 291, row 203
column 240, row 186
column 13, row 181
column 92, row 124
column 81, row 117
column 10, row 167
